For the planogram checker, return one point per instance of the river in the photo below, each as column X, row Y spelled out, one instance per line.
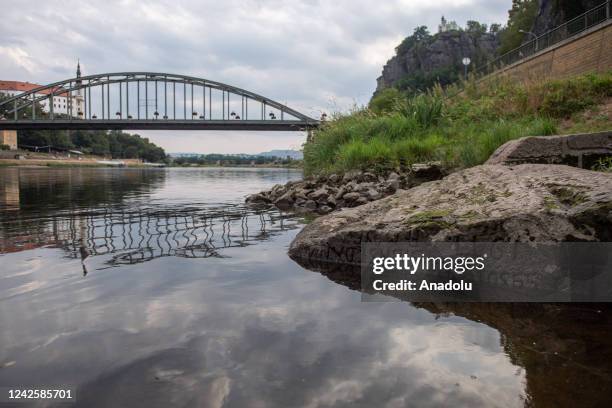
column 158, row 287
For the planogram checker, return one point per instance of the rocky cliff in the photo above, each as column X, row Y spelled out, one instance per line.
column 552, row 13
column 437, row 58
column 440, row 55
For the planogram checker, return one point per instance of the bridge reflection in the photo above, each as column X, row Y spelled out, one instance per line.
column 126, row 217
column 129, row 236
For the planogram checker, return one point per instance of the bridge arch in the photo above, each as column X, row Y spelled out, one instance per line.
column 148, row 100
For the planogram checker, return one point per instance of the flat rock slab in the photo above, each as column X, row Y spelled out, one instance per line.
column 488, row 203
column 580, row 150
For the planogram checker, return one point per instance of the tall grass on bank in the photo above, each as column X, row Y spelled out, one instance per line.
column 461, row 132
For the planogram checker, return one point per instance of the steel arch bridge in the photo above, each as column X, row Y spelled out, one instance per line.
column 147, row 100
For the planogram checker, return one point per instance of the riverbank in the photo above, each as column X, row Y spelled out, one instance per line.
column 363, row 167
column 130, row 164
column 323, row 194
column 488, row 203
column 246, row 166
column 65, row 163
column 326, row 193
column 514, row 197
column 26, row 158
column 460, row 131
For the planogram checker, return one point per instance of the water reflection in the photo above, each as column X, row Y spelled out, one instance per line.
column 134, row 236
column 564, row 349
column 87, row 218
column 189, row 313
column 252, row 330
column 9, row 190
column 199, row 306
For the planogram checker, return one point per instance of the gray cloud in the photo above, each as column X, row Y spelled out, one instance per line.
column 314, row 55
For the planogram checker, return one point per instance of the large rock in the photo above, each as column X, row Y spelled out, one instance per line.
column 554, row 13
column 441, row 51
column 257, row 198
column 285, row 201
column 529, row 202
column 319, row 195
column 580, row 150
column 428, row 171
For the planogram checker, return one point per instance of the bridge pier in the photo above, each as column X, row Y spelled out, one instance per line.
column 9, row 138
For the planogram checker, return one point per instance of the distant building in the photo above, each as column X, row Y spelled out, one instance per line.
column 61, row 100
column 445, row 25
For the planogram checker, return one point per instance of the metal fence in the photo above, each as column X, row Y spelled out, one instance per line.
column 583, row 22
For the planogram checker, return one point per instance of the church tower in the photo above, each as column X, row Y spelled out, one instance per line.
column 78, row 99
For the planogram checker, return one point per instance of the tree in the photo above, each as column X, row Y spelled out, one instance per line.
column 81, row 138
column 60, row 139
column 420, row 81
column 420, row 35
column 99, row 145
column 476, row 27
column 33, row 138
column 520, row 17
column 4, row 109
column 385, row 100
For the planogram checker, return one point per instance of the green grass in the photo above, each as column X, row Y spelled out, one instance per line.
column 603, row 164
column 461, row 131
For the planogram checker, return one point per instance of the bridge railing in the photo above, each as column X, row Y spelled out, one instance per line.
column 570, row 28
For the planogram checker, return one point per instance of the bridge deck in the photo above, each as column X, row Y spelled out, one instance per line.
column 187, row 124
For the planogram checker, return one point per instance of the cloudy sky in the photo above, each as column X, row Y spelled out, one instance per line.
column 313, row 55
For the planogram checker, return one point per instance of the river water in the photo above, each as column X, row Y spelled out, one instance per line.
column 158, row 288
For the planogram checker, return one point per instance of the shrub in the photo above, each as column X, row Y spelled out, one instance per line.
column 563, row 98
column 603, row 164
column 413, row 149
column 385, row 100
column 426, row 110
column 358, row 154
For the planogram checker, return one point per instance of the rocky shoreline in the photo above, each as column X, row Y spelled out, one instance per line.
column 488, row 203
column 525, row 192
column 325, row 194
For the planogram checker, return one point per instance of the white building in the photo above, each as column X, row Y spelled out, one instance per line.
column 61, row 100
column 445, row 26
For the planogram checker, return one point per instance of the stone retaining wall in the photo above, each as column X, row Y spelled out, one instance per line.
column 590, row 51
column 578, row 150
